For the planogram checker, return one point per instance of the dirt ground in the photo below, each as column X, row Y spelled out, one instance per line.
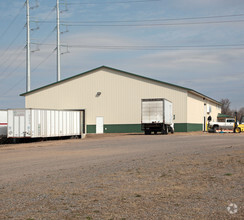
column 179, row 176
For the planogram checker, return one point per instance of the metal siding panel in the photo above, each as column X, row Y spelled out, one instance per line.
column 195, row 109
column 3, row 122
column 120, row 99
column 10, row 131
column 52, row 133
column 49, row 123
column 22, row 126
column 16, row 126
column 28, row 123
column 168, row 112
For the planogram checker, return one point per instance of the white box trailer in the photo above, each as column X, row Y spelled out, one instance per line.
column 156, row 116
column 43, row 123
column 3, row 123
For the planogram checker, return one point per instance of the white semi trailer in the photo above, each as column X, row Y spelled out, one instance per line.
column 156, row 116
column 3, row 123
column 42, row 123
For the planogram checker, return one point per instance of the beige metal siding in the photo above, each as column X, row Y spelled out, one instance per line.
column 196, row 109
column 120, row 99
column 216, row 109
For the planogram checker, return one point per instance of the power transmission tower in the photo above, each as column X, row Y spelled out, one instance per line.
column 27, row 46
column 58, row 42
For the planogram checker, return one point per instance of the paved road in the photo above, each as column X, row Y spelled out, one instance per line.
column 112, row 157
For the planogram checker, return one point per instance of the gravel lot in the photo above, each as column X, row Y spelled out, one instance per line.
column 179, row 176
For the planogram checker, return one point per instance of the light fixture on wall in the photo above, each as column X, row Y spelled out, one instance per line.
column 98, row 94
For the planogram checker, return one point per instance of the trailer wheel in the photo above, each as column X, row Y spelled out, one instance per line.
column 155, row 132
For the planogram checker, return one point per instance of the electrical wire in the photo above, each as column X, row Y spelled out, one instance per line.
column 12, row 87
column 110, row 2
column 153, row 25
column 33, row 70
column 17, row 55
column 43, row 61
column 47, row 37
column 156, row 47
column 41, row 23
column 13, row 71
column 12, row 42
column 11, row 23
column 148, row 20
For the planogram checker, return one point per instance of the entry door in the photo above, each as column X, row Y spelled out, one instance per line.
column 99, row 125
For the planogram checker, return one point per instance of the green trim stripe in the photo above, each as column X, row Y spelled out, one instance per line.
column 91, row 129
column 123, row 128
column 136, row 128
column 187, row 127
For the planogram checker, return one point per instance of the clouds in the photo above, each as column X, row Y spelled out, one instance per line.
column 217, row 73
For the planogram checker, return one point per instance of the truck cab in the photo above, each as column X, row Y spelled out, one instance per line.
column 228, row 124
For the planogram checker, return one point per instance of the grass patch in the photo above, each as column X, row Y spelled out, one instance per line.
column 228, row 174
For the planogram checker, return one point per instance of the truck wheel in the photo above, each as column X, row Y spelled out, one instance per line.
column 166, row 130
column 147, row 132
column 237, row 130
column 155, row 132
column 214, row 129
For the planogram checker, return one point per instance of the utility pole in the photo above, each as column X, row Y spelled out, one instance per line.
column 58, row 42
column 27, row 46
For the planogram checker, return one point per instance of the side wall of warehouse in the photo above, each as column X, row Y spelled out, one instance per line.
column 119, row 103
column 197, row 112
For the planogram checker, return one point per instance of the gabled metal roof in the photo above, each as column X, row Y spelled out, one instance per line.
column 123, row 72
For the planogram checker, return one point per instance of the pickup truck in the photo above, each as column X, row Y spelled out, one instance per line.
column 228, row 124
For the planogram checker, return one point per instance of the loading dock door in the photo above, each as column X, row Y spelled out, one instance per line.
column 99, row 125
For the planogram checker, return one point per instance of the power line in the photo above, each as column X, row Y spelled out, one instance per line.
column 13, row 71
column 13, row 87
column 17, row 55
column 12, row 42
column 45, row 19
column 111, row 2
column 23, row 78
column 156, row 47
column 152, row 25
column 43, row 61
column 152, row 46
column 144, row 20
column 11, row 23
column 47, row 37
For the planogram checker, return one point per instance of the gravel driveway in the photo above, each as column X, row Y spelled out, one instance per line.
column 179, row 176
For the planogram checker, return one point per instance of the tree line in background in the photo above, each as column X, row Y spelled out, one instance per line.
column 225, row 109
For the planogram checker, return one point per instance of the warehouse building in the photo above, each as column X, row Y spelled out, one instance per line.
column 112, row 100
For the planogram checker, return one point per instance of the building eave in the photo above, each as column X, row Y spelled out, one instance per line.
column 123, row 72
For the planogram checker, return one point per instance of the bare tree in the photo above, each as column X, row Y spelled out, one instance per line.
column 240, row 113
column 225, row 108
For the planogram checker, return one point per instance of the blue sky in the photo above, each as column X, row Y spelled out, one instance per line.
column 193, row 43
